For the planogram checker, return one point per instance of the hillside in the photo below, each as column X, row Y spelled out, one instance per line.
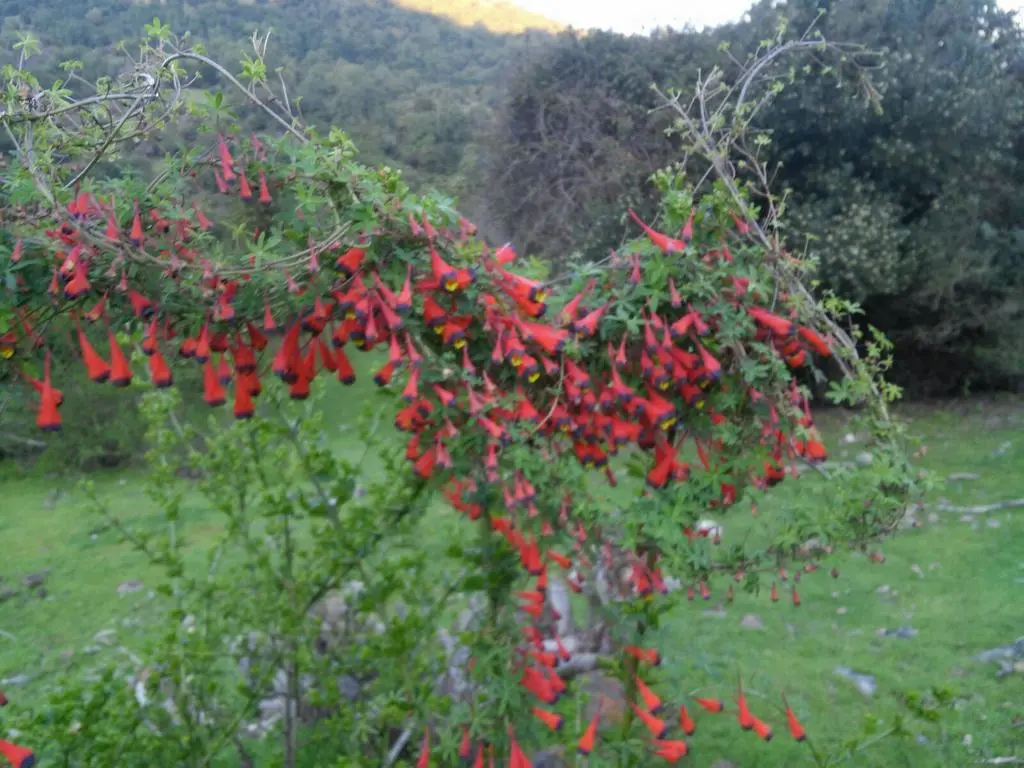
column 411, row 81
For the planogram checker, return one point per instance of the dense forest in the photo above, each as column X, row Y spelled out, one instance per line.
column 906, row 164
column 413, row 82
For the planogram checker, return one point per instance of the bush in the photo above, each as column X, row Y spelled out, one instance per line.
column 676, row 375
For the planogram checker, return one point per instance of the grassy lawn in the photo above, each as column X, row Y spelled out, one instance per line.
column 958, row 583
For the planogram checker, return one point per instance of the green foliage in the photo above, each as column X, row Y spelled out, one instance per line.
column 576, row 142
column 412, row 82
column 547, row 402
column 294, row 533
column 911, row 207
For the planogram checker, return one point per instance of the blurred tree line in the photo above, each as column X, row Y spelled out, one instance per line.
column 412, row 81
column 916, row 209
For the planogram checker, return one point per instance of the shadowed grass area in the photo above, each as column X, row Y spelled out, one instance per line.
column 958, row 583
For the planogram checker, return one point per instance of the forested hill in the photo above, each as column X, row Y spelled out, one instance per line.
column 410, row 80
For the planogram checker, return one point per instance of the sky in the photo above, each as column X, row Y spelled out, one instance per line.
column 637, row 16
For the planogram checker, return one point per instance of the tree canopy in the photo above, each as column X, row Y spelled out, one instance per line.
column 905, row 190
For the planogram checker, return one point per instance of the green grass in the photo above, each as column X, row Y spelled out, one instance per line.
column 967, row 598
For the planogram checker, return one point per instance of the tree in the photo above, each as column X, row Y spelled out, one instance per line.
column 915, row 208
column 875, row 196
column 510, row 404
column 576, row 141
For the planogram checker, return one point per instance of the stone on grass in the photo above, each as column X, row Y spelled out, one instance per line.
column 127, row 587
column 716, row 612
column 606, row 696
column 902, row 632
column 957, row 477
column 37, row 579
column 752, row 621
column 105, row 636
column 552, row 757
column 866, row 684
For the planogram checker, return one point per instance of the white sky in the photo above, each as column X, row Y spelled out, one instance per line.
column 637, row 16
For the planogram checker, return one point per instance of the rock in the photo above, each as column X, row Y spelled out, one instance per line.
column 864, row 458
column 752, row 621
column 909, row 519
column 552, row 757
column 917, row 570
column 37, row 579
column 710, row 529
column 605, row 695
column 814, row 546
column 958, row 477
column 866, row 684
column 16, row 680
column 52, row 498
column 841, row 610
column 349, row 687
column 885, row 589
column 127, row 587
column 105, row 636
column 902, row 632
column 1014, row 650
